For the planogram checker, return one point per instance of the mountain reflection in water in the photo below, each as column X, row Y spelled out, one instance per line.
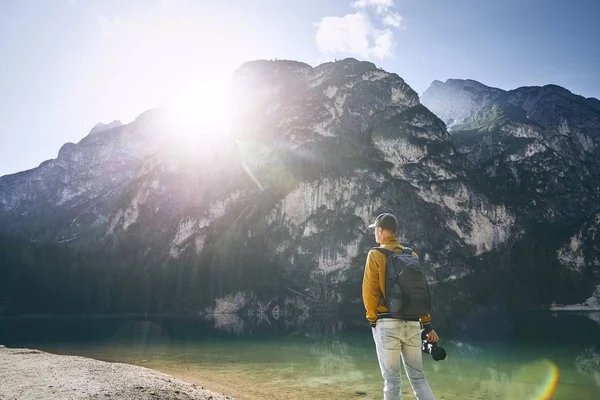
column 256, row 358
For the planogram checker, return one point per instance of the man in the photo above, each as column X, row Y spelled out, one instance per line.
column 395, row 339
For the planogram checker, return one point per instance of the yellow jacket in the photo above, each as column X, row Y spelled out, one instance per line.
column 373, row 285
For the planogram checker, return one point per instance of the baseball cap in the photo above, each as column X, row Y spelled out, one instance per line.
column 386, row 221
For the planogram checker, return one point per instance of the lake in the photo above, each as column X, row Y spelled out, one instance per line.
column 530, row 356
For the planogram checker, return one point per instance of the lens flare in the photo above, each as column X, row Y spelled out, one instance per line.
column 551, row 380
column 534, row 381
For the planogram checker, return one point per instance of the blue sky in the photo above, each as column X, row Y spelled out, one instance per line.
column 69, row 64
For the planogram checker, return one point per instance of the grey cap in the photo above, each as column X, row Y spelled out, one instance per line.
column 386, row 221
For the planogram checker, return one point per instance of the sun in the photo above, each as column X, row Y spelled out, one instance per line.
column 199, row 112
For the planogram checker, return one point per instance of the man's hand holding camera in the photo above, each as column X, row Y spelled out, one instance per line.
column 432, row 336
column 429, row 344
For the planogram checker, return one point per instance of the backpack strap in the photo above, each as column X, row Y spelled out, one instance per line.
column 388, row 253
column 385, row 251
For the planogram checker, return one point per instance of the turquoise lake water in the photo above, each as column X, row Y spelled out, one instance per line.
column 550, row 355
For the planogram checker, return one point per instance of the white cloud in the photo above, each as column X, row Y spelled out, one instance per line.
column 392, row 19
column 356, row 34
column 381, row 6
column 348, row 34
column 384, row 43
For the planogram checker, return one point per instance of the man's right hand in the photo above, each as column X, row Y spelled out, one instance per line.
column 432, row 337
column 429, row 334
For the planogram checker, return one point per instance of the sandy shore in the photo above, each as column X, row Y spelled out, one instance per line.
column 27, row 374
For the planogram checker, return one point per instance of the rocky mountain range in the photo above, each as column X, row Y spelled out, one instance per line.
column 497, row 190
column 537, row 148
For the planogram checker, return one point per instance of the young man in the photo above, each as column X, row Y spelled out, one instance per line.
column 395, row 339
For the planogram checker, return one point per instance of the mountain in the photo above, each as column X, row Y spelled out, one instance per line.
column 538, row 150
column 271, row 217
column 74, row 193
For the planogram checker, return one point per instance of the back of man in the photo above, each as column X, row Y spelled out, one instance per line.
column 396, row 340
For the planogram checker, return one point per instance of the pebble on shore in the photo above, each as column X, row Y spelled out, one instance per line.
column 32, row 374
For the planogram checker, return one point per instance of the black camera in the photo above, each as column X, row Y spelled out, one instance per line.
column 437, row 353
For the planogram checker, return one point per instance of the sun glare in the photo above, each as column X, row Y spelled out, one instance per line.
column 198, row 113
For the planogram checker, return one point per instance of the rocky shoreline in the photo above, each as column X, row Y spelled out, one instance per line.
column 28, row 374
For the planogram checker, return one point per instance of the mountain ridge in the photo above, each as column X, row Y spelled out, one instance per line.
column 315, row 154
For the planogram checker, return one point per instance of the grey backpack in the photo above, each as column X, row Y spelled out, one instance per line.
column 406, row 291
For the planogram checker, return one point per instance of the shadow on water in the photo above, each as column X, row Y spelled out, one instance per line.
column 491, row 354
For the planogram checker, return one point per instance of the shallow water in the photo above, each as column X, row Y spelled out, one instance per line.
column 551, row 356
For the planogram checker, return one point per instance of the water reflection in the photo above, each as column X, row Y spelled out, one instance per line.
column 248, row 325
column 230, row 323
column 594, row 316
column 325, row 357
column 588, row 364
column 335, row 363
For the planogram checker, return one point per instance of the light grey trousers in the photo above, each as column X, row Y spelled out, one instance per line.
column 397, row 340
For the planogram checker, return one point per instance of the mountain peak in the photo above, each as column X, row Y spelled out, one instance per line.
column 466, row 84
column 457, row 99
column 258, row 67
column 101, row 127
column 336, row 95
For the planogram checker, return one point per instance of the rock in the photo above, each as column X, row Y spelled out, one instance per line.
column 26, row 374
